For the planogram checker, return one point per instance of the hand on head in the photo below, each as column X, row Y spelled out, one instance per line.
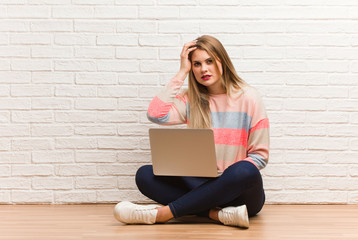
column 185, row 64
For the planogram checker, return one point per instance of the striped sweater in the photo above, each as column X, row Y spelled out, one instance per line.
column 239, row 122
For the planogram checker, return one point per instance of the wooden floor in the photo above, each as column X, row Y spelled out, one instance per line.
column 96, row 222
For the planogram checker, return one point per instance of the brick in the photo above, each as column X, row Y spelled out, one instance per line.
column 32, row 170
column 158, row 12
column 303, row 104
column 30, row 38
column 41, row 130
column 118, row 40
column 52, row 183
column 5, row 144
column 73, row 12
column 76, row 170
column 31, row 65
column 32, row 144
column 31, row 91
column 82, row 116
column 342, row 157
column 5, row 65
column 323, row 143
column 75, row 65
column 96, row 156
column 48, row 2
column 75, row 197
column 127, row 182
column 354, row 144
column 136, row 53
column 15, row 158
column 133, row 129
column 313, row 183
column 53, row 77
column 4, row 117
column 222, row 12
column 340, row 183
column 51, row 52
column 117, row 91
column 53, row 157
column 5, row 171
column 15, row 183
column 117, row 65
column 138, row 79
column 149, row 92
column 32, row 116
column 134, row 2
column 96, row 104
column 115, row 170
column 15, row 103
column 103, row 78
column 14, row 130
column 124, row 143
column 110, row 196
column 95, row 129
column 4, row 91
column 118, row 117
column 95, row 52
column 75, row 91
column 133, row 156
column 93, row 2
column 15, row 77
column 14, row 51
column 304, row 197
column 5, row 197
column 28, row 12
column 159, row 66
column 51, row 103
column 75, row 143
column 327, row 117
column 95, row 26
column 51, row 26
column 135, row 26
column 160, row 40
column 96, row 182
column 27, row 197
column 14, row 25
column 341, row 105
column 79, row 39
column 114, row 12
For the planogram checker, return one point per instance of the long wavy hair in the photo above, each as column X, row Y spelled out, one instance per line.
column 198, row 94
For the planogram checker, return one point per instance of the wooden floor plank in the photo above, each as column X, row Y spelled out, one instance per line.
column 97, row 222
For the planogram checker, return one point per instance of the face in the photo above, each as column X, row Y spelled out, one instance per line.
column 205, row 71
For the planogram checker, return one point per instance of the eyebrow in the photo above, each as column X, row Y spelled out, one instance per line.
column 196, row 61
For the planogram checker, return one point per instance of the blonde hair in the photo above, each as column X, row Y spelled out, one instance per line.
column 198, row 94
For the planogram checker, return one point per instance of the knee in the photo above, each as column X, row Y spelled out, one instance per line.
column 245, row 172
column 142, row 175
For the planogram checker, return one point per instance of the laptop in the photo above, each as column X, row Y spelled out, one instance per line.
column 183, row 152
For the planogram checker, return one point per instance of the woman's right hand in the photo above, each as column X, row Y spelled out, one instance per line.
column 185, row 64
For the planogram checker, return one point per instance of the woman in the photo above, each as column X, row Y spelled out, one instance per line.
column 217, row 98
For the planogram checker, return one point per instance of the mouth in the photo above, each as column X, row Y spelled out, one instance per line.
column 206, row 77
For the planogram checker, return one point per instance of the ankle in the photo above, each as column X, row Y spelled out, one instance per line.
column 164, row 214
column 214, row 214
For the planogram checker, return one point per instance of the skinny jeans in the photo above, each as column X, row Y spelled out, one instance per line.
column 239, row 184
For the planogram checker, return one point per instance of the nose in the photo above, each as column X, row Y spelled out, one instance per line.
column 204, row 68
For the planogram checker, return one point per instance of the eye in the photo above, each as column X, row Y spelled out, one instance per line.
column 209, row 61
column 196, row 64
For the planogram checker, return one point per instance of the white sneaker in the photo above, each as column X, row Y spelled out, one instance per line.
column 234, row 216
column 127, row 212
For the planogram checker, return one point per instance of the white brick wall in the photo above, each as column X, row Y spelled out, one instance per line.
column 76, row 77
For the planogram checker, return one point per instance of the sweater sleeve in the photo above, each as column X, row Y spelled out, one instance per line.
column 259, row 137
column 169, row 107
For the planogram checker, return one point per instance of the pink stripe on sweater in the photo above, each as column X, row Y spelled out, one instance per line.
column 264, row 123
column 157, row 108
column 227, row 136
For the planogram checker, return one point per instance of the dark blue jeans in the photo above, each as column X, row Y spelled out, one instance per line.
column 240, row 184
